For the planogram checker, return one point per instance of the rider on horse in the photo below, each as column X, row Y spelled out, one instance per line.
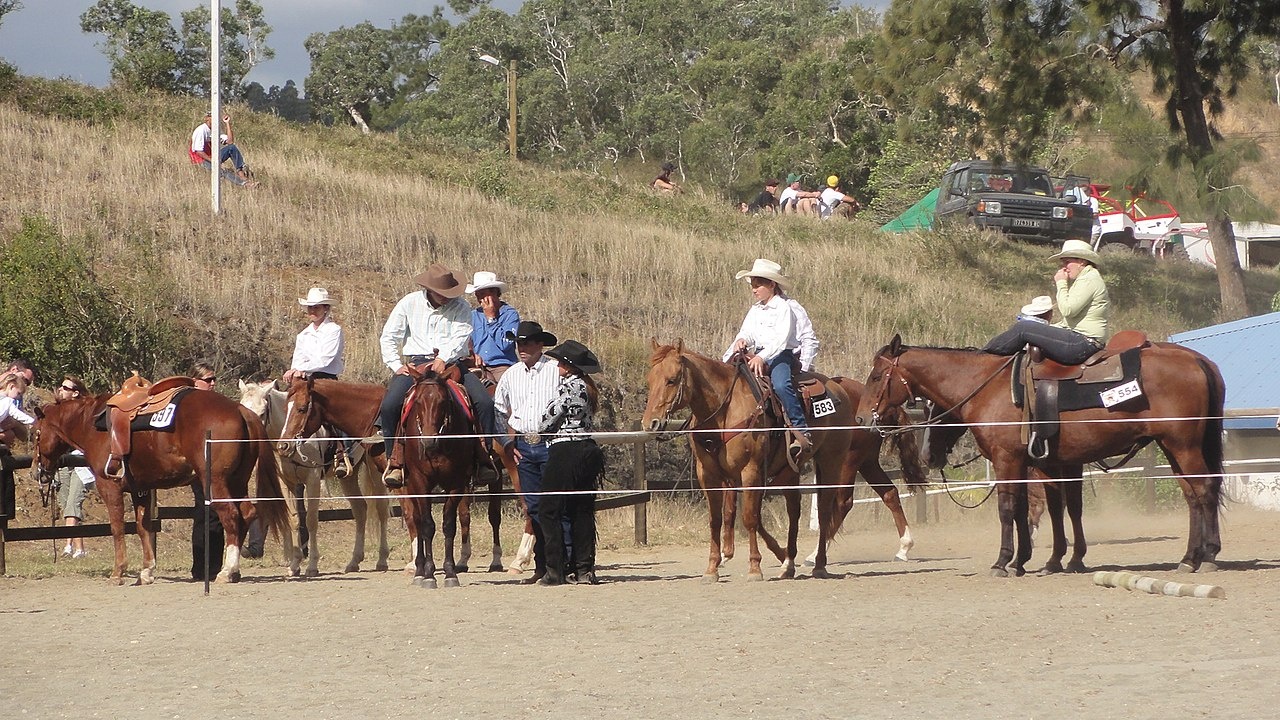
column 777, row 339
column 492, row 351
column 1084, row 305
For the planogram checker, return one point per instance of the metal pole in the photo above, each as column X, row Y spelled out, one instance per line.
column 640, row 482
column 208, row 496
column 511, row 109
column 215, row 119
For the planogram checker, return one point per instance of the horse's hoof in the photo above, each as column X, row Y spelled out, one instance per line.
column 115, row 580
column 352, row 567
column 495, row 567
column 1050, row 569
column 999, row 572
column 1184, row 567
column 788, row 574
column 425, row 582
column 1207, row 566
column 711, row 578
column 460, row 568
column 1077, row 567
column 313, row 572
column 902, row 556
column 295, row 572
column 1019, row 571
column 755, row 577
column 820, row 572
column 452, row 582
column 381, row 567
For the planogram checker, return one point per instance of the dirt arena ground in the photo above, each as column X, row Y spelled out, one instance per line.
column 932, row 638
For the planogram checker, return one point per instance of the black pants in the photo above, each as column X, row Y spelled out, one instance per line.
column 572, row 465
column 1058, row 343
column 212, row 535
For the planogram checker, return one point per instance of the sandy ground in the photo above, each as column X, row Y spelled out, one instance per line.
column 936, row 637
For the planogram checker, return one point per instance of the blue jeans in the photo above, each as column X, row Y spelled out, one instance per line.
column 392, row 406
column 780, row 372
column 533, row 459
column 232, row 153
column 1059, row 344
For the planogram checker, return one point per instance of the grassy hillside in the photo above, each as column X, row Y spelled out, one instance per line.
column 607, row 263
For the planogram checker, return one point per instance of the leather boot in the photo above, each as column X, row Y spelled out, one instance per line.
column 802, row 446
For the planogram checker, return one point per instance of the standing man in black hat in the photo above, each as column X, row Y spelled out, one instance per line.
column 523, row 394
column 430, row 330
column 574, row 465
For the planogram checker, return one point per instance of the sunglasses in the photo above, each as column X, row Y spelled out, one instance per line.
column 211, row 379
column 70, row 389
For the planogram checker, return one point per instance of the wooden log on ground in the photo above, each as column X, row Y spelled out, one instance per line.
column 1129, row 581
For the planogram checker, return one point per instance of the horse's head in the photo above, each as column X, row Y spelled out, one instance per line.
column 888, row 385
column 254, row 396
column 668, row 379
column 49, row 441
column 303, row 413
column 434, row 409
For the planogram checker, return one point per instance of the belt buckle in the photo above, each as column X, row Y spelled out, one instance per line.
column 532, row 438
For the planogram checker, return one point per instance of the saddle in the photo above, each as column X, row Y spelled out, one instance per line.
column 1107, row 378
column 811, row 389
column 137, row 396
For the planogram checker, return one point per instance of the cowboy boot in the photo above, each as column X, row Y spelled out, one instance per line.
column 801, row 446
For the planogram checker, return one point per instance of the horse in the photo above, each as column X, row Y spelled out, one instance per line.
column 352, row 408
column 736, row 458
column 302, row 468
column 1181, row 409
column 170, row 459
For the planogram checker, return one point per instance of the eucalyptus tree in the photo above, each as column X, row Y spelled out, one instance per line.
column 1194, row 52
column 244, row 46
column 352, row 70
column 141, row 44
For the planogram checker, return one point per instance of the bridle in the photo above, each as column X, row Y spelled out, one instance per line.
column 882, row 397
column 679, row 400
column 295, row 448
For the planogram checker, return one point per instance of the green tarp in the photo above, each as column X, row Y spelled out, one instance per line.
column 916, row 217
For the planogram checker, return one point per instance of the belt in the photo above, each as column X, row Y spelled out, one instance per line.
column 568, row 438
column 420, row 359
column 531, row 438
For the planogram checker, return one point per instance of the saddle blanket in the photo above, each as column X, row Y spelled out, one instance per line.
column 1073, row 395
column 161, row 420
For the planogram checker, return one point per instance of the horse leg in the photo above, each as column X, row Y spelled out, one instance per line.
column 1073, row 491
column 793, row 534
column 425, row 576
column 752, row 499
column 1036, row 503
column 463, row 512
column 1201, row 494
column 113, row 497
column 1053, row 502
column 371, row 484
column 234, row 527
column 360, row 513
column 1005, row 501
column 142, row 518
column 888, row 492
column 312, row 495
column 495, row 503
column 715, row 509
column 410, row 516
column 450, row 527
column 729, row 499
column 1022, row 528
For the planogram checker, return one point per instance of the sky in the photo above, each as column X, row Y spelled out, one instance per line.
column 44, row 37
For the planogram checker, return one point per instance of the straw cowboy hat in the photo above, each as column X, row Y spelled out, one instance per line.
column 316, row 296
column 530, row 330
column 1078, row 249
column 439, row 278
column 768, row 270
column 576, row 354
column 485, row 280
column 1039, row 305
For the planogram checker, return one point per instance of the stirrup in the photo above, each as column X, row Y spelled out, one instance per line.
column 393, row 478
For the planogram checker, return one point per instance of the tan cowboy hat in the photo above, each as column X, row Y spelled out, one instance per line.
column 1078, row 249
column 768, row 270
column 316, row 296
column 439, row 278
column 484, row 280
column 1039, row 305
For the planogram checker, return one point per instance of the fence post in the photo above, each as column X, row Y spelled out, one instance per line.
column 640, row 482
column 922, row 507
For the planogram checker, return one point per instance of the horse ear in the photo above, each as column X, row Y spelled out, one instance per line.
column 895, row 345
column 241, row 385
column 679, row 345
column 653, row 343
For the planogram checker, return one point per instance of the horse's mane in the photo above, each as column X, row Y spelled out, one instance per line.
column 662, row 351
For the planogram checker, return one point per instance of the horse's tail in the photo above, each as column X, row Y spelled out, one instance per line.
column 1212, row 444
column 272, row 508
column 907, row 446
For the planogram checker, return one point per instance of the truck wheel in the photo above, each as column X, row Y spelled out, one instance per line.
column 1115, row 248
column 1177, row 251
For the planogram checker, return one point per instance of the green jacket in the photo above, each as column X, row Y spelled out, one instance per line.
column 1085, row 305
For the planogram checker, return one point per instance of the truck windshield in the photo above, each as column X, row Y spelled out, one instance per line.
column 1015, row 181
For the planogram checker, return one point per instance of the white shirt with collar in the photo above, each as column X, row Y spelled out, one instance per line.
column 777, row 325
column 415, row 327
column 319, row 349
column 524, row 393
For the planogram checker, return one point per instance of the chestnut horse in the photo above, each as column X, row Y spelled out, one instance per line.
column 1181, row 409
column 352, row 408
column 734, row 457
column 170, row 459
column 302, row 468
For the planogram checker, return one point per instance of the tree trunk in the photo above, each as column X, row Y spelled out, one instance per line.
column 1230, row 276
column 358, row 119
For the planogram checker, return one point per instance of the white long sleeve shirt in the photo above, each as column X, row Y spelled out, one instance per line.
column 10, row 409
column 777, row 325
column 416, row 328
column 319, row 349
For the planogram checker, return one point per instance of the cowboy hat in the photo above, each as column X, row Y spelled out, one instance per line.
column 316, row 296
column 484, row 280
column 768, row 270
column 1039, row 305
column 1078, row 249
column 439, row 278
column 530, row 330
column 576, row 354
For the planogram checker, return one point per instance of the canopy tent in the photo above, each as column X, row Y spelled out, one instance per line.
column 916, row 217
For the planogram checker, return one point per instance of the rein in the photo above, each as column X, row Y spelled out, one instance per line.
column 936, row 419
column 295, row 447
column 679, row 399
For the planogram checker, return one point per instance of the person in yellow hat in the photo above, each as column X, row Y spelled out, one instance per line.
column 1083, row 303
column 830, row 198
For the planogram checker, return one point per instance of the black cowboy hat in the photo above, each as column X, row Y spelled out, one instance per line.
column 530, row 330
column 577, row 355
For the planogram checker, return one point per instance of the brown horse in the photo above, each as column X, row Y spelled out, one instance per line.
column 731, row 456
column 1181, row 410
column 170, row 459
column 352, row 408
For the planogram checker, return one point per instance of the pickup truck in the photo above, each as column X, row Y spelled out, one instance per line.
column 1018, row 201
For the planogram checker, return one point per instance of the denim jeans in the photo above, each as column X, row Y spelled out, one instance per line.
column 533, row 458
column 1059, row 344
column 780, row 372
column 392, row 406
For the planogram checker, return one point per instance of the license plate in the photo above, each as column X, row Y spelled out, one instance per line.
column 823, row 407
column 1121, row 393
column 1022, row 222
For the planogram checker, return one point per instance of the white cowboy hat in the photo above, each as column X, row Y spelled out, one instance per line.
column 1039, row 305
column 316, row 296
column 484, row 280
column 768, row 270
column 1078, row 249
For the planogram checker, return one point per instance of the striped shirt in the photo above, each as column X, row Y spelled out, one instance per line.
column 524, row 393
column 570, row 412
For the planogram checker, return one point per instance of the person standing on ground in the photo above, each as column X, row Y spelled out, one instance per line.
column 574, row 464
column 72, row 482
column 205, row 378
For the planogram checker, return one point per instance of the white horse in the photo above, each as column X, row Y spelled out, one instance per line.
column 304, row 466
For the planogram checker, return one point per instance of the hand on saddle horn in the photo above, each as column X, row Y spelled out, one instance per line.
column 756, row 363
